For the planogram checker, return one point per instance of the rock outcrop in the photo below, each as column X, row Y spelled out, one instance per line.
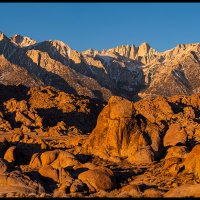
column 145, row 131
column 98, row 179
column 184, row 191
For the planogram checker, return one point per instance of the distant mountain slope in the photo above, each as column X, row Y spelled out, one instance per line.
column 11, row 74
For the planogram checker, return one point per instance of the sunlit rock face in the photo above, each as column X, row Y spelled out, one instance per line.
column 141, row 132
column 22, row 41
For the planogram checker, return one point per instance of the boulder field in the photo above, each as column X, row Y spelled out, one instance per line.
column 54, row 144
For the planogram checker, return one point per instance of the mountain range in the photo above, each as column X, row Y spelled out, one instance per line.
column 128, row 71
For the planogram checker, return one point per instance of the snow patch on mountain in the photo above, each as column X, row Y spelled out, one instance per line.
column 106, row 59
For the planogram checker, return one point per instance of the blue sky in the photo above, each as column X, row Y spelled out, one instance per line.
column 104, row 25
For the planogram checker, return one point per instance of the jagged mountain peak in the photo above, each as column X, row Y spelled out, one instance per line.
column 142, row 53
column 59, row 44
column 143, row 49
column 145, row 45
column 22, row 41
column 3, row 36
column 90, row 52
column 56, row 49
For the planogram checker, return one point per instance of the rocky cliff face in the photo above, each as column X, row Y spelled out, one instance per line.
column 142, row 132
column 128, row 71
